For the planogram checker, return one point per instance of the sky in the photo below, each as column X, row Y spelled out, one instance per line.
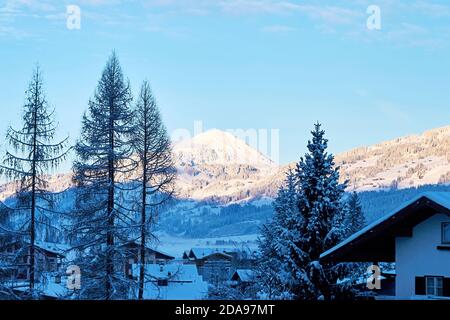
column 240, row 64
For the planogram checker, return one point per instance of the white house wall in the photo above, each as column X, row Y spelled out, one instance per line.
column 418, row 256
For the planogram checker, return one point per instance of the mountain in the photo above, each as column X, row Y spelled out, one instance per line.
column 400, row 168
column 225, row 187
column 211, row 166
column 216, row 166
column 406, row 162
column 216, row 147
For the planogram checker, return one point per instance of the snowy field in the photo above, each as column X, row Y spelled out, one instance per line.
column 176, row 246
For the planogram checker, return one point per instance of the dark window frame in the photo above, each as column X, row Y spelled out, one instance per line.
column 443, row 226
column 435, row 286
column 163, row 282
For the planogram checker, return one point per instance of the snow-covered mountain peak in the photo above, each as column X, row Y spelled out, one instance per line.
column 216, row 147
column 217, row 165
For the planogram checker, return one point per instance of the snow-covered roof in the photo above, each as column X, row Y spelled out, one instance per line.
column 134, row 243
column 47, row 287
column 170, row 271
column 56, row 248
column 360, row 280
column 389, row 272
column 440, row 198
column 200, row 253
column 246, row 275
column 183, row 282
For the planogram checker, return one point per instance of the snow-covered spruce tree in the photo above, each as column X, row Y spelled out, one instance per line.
column 354, row 219
column 353, row 222
column 322, row 209
column 278, row 238
column 309, row 219
column 101, row 221
column 156, row 171
column 35, row 154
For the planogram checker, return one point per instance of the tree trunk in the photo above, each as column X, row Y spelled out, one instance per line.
column 33, row 197
column 143, row 239
column 110, row 210
column 143, row 214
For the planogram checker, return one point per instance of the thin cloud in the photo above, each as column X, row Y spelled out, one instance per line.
column 277, row 29
column 431, row 9
column 408, row 23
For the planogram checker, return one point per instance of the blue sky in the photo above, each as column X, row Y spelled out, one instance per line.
column 246, row 64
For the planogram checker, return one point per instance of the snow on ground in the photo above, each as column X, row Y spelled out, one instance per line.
column 183, row 282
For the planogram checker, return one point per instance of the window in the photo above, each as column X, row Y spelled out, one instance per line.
column 435, row 286
column 163, row 282
column 446, row 233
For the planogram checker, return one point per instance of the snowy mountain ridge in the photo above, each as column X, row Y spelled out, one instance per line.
column 216, row 166
column 410, row 161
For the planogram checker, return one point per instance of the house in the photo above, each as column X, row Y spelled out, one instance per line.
column 199, row 253
column 218, row 264
column 416, row 237
column 243, row 280
column 236, row 253
column 386, row 278
column 49, row 287
column 215, row 267
column 152, row 256
column 172, row 281
column 245, row 276
column 48, row 258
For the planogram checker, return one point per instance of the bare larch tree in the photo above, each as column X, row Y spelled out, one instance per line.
column 104, row 157
column 156, row 169
column 34, row 154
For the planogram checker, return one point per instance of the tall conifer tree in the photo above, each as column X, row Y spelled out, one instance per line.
column 309, row 219
column 104, row 160
column 156, row 172
column 34, row 154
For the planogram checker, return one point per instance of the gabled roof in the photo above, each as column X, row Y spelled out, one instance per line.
column 134, row 244
column 245, row 275
column 217, row 254
column 376, row 242
column 50, row 247
column 56, row 248
column 200, row 253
